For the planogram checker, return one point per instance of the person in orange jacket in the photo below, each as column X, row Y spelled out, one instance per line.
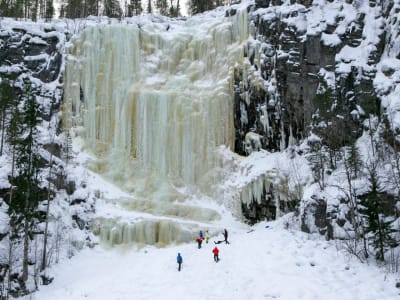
column 216, row 252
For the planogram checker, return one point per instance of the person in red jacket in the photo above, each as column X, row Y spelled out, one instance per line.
column 216, row 252
column 199, row 240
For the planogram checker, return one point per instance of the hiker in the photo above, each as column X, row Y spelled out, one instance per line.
column 179, row 260
column 216, row 252
column 226, row 236
column 199, row 241
column 207, row 236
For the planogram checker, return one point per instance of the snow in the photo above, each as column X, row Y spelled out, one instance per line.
column 330, row 39
column 272, row 260
column 267, row 262
column 38, row 41
column 3, row 219
column 37, row 57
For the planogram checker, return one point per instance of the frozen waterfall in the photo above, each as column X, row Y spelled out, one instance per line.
column 153, row 101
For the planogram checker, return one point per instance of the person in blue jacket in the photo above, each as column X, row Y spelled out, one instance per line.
column 179, row 260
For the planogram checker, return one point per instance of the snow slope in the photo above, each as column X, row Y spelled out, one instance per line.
column 269, row 262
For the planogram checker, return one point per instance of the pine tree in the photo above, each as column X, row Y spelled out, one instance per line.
column 318, row 160
column 49, row 12
column 174, row 11
column 112, row 9
column 22, row 133
column 33, row 13
column 134, row 8
column 14, row 129
column 377, row 227
column 72, row 9
column 14, row 9
column 28, row 167
column 149, row 7
column 199, row 6
column 162, row 6
column 80, row 9
column 353, row 160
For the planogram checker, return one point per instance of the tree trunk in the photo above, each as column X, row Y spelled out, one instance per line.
column 3, row 121
column 43, row 266
column 26, row 251
column 380, row 240
column 10, row 262
column 27, row 212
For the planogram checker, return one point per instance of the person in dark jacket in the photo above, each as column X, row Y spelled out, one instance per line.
column 216, row 252
column 226, row 236
column 179, row 260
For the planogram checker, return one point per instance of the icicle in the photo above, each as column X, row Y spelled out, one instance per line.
column 292, row 140
column 142, row 100
column 150, row 232
column 258, row 189
column 277, row 204
column 264, row 119
column 145, row 98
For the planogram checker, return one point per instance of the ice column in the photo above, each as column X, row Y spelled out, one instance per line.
column 153, row 104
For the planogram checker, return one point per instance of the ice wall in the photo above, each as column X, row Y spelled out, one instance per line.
column 153, row 100
column 146, row 232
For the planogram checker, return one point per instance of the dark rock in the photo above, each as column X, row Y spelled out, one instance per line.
column 54, row 149
column 77, row 201
column 316, row 209
column 70, row 187
column 46, row 280
column 262, row 3
column 341, row 222
column 81, row 223
column 230, row 12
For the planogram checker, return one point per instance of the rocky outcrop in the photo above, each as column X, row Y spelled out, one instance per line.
column 37, row 55
column 296, row 54
column 33, row 53
column 333, row 63
column 315, row 218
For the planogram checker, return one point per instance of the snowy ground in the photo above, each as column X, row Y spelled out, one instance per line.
column 267, row 263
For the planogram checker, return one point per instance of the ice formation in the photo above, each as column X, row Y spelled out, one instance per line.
column 153, row 101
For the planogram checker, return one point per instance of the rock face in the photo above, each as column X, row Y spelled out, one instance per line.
column 311, row 63
column 315, row 218
column 34, row 54
column 297, row 54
